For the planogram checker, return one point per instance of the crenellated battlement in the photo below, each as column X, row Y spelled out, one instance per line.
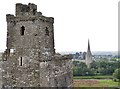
column 23, row 9
column 9, row 17
column 26, row 13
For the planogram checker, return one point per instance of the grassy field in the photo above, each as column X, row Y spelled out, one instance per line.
column 94, row 83
column 98, row 82
column 93, row 77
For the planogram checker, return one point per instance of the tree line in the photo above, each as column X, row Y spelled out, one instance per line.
column 102, row 67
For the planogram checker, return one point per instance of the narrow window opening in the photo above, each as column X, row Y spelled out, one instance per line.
column 20, row 61
column 39, row 54
column 22, row 30
column 46, row 31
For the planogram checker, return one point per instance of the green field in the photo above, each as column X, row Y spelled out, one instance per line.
column 93, row 77
column 98, row 82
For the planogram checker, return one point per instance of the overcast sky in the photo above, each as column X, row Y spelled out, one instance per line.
column 74, row 22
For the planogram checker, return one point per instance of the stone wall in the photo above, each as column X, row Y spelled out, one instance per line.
column 0, row 70
column 33, row 73
column 30, row 59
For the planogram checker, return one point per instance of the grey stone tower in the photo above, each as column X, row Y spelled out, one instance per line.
column 30, row 59
column 88, row 59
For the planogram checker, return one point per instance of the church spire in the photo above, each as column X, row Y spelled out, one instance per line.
column 88, row 49
column 88, row 59
column 88, row 45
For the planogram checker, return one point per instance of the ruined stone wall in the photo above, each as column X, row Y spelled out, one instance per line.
column 63, row 70
column 30, row 60
column 1, row 70
column 50, row 73
column 16, row 75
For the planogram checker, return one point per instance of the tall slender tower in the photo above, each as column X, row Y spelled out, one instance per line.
column 88, row 59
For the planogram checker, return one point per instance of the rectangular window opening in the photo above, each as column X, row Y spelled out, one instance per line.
column 20, row 61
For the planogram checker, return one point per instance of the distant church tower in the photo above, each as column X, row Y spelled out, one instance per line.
column 88, row 59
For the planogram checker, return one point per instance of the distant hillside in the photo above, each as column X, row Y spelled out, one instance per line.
column 69, row 52
column 105, row 53
column 95, row 53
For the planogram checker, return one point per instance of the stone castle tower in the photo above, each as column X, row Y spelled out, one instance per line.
column 88, row 58
column 30, row 59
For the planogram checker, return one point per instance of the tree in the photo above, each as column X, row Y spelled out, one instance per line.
column 75, row 71
column 75, row 63
column 95, row 65
column 116, row 74
column 82, row 65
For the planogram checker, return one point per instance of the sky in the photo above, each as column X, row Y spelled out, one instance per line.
column 75, row 21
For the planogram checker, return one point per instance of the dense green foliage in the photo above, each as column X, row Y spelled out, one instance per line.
column 102, row 67
column 80, row 69
column 116, row 74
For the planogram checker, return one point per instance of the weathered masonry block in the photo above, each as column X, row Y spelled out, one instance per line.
column 30, row 59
